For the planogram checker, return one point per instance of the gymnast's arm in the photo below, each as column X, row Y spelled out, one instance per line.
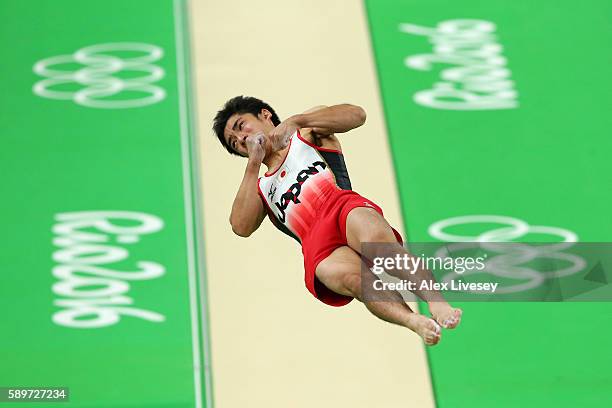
column 327, row 120
column 248, row 211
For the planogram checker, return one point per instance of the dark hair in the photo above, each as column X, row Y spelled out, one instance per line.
column 239, row 104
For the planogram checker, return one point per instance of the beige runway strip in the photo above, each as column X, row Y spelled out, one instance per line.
column 273, row 344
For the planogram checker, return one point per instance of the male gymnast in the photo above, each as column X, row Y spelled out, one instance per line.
column 307, row 194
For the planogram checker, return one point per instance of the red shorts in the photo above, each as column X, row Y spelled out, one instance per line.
column 327, row 234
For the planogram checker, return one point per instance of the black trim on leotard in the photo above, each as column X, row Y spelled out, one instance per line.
column 336, row 163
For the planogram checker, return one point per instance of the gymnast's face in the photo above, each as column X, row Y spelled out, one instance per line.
column 242, row 125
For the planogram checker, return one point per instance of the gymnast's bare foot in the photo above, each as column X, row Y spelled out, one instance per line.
column 446, row 316
column 425, row 327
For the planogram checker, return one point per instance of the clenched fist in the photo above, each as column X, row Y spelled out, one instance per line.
column 255, row 147
column 280, row 135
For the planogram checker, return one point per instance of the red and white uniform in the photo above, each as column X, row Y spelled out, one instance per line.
column 308, row 197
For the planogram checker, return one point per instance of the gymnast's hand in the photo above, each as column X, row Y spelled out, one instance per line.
column 280, row 135
column 255, row 147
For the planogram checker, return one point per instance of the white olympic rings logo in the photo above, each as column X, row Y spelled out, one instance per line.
column 102, row 88
column 513, row 256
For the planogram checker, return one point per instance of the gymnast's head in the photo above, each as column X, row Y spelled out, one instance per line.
column 241, row 117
